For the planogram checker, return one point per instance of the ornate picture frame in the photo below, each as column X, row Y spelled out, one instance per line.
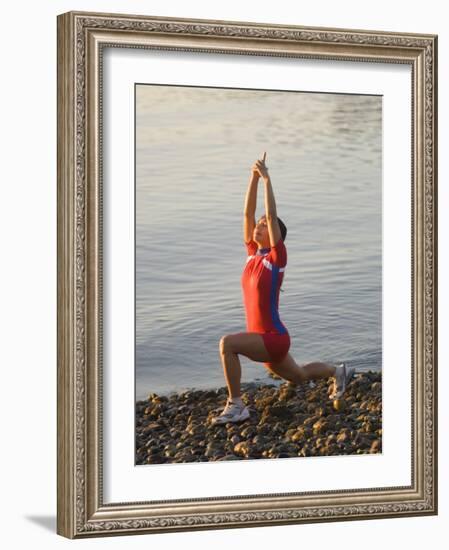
column 82, row 39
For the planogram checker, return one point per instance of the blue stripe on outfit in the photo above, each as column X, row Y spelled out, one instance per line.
column 274, row 312
column 262, row 251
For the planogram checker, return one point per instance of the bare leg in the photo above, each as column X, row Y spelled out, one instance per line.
column 232, row 372
column 251, row 345
column 316, row 370
column 291, row 371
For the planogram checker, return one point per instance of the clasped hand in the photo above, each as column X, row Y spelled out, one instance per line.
column 260, row 168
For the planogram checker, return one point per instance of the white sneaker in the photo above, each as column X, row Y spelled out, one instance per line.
column 232, row 413
column 343, row 375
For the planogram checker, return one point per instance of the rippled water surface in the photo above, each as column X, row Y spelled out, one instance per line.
column 194, row 151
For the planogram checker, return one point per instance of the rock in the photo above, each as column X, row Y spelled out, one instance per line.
column 319, row 427
column 260, row 440
column 314, row 395
column 332, row 421
column 264, row 429
column 214, row 452
column 273, row 451
column 299, row 435
column 248, row 432
column 303, row 433
column 278, row 411
column 343, row 436
column 170, row 450
column 233, row 428
column 253, row 451
column 154, row 449
column 289, row 434
column 286, row 393
column 154, row 426
column 332, row 449
column 367, row 427
column 299, row 419
column 311, row 420
column 339, row 405
column 242, row 448
column 361, row 441
column 286, row 420
column 196, row 429
column 278, row 428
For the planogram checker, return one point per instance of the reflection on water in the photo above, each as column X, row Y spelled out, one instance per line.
column 194, row 151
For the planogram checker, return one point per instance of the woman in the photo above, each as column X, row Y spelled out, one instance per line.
column 267, row 339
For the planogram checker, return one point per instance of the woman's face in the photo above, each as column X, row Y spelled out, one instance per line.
column 260, row 233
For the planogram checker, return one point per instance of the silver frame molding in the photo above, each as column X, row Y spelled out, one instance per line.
column 81, row 39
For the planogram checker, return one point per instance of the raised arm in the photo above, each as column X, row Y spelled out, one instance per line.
column 249, row 214
column 274, row 230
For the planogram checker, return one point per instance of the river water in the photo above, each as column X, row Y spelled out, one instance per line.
column 194, row 151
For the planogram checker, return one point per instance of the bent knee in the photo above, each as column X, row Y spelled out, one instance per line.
column 225, row 343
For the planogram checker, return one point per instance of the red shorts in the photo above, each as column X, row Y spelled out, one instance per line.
column 277, row 344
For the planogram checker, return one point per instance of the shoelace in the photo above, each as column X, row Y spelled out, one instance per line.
column 229, row 406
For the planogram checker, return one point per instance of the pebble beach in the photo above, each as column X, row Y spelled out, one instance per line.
column 286, row 420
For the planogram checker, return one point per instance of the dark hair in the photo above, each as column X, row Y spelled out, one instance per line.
column 283, row 228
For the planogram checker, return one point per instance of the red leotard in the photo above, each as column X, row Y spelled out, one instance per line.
column 261, row 281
